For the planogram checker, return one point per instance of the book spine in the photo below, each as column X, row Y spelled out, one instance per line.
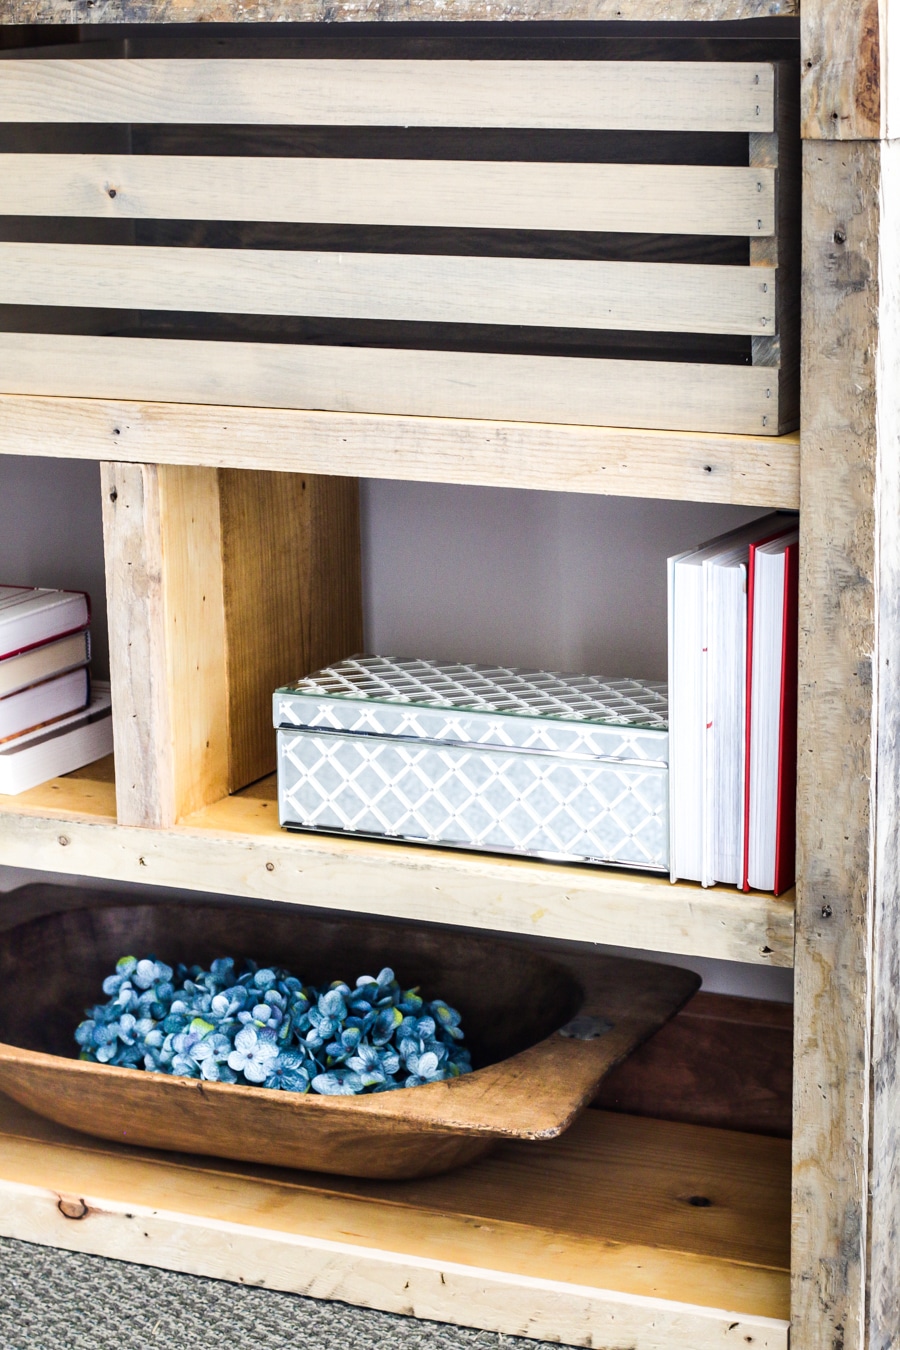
column 751, row 579
column 786, row 811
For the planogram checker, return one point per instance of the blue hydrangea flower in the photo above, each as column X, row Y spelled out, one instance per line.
column 263, row 1026
column 341, row 1083
column 251, row 1056
column 288, row 1072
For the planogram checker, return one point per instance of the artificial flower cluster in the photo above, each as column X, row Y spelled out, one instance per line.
column 264, row 1027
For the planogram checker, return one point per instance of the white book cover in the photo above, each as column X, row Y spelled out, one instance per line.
column 61, row 748
column 30, row 615
column 725, row 717
column 707, row 674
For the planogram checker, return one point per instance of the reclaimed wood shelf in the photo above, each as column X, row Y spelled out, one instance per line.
column 236, row 847
column 623, row 1231
column 676, row 465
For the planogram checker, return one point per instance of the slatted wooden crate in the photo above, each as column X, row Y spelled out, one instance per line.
column 513, row 240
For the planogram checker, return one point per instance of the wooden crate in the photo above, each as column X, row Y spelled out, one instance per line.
column 516, row 239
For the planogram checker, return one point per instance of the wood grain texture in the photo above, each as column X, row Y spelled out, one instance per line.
column 195, row 632
column 457, row 194
column 756, row 471
column 292, row 594
column 648, row 297
column 497, row 1252
column 88, row 794
column 688, row 96
column 846, row 1262
column 386, row 11
column 683, row 395
column 142, row 731
column 884, row 1182
column 167, row 654
column 722, row 1061
column 228, row 848
column 846, row 76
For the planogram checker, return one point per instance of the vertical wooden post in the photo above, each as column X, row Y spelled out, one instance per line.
column 162, row 540
column 221, row 585
column 846, row 1252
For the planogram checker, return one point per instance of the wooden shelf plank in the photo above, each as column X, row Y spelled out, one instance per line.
column 352, row 11
column 236, row 847
column 590, row 1236
column 687, row 466
column 86, row 794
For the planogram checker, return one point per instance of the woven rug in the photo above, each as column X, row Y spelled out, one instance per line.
column 56, row 1300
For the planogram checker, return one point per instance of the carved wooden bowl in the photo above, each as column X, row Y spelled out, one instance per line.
column 530, row 1079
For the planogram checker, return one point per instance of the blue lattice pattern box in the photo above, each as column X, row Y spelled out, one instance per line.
column 567, row 767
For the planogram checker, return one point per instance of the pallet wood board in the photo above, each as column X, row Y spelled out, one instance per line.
column 563, row 293
column 235, row 847
column 847, row 1089
column 355, row 11
column 568, row 390
column 189, row 581
column 686, row 466
column 687, row 96
column 592, row 1236
column 458, row 194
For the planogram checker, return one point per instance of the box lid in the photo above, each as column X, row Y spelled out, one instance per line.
column 482, row 705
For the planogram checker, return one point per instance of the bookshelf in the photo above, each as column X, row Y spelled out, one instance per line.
column 649, row 1274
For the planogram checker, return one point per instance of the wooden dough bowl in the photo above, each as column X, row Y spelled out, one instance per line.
column 530, row 1080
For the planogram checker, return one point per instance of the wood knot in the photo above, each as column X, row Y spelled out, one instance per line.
column 72, row 1209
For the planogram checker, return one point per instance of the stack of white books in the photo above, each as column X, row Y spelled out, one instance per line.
column 51, row 720
column 733, row 707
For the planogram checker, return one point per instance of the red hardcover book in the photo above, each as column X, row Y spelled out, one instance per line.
column 786, row 836
column 770, row 775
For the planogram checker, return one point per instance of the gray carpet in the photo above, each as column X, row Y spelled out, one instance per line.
column 55, row 1300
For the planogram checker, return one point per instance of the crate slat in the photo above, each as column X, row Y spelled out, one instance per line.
column 643, row 297
column 645, row 95
column 575, row 390
column 463, row 194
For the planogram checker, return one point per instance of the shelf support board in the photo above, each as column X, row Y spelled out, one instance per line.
column 486, row 1246
column 237, row 848
column 704, row 467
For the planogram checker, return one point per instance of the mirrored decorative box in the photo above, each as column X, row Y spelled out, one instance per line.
column 568, row 767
